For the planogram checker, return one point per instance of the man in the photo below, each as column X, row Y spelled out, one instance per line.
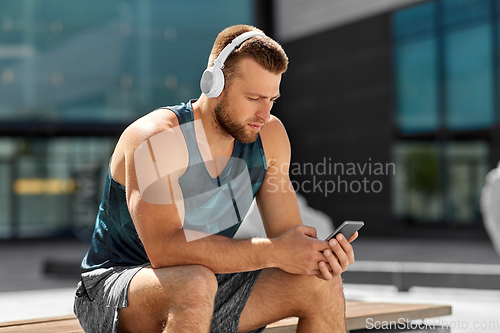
column 160, row 262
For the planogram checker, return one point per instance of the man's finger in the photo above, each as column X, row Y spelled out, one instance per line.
column 336, row 260
column 344, row 252
column 324, row 270
column 353, row 237
column 309, row 231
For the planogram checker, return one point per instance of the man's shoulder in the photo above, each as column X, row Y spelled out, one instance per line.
column 273, row 130
column 274, row 138
column 159, row 129
column 148, row 126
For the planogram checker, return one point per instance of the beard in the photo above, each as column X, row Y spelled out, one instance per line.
column 229, row 126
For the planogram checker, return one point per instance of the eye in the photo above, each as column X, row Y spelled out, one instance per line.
column 253, row 99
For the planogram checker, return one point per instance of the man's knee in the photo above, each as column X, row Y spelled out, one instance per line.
column 335, row 285
column 179, row 287
column 156, row 294
column 197, row 287
column 315, row 295
column 331, row 290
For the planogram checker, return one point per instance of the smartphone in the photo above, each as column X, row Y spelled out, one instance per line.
column 348, row 228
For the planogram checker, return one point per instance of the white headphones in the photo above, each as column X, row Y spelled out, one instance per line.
column 212, row 80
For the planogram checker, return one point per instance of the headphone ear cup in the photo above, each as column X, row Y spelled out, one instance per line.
column 207, row 80
column 212, row 82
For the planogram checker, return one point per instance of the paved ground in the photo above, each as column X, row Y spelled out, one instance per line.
column 22, row 263
column 26, row 292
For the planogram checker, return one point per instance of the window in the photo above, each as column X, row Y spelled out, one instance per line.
column 469, row 78
column 458, row 11
column 446, row 80
column 417, row 192
column 51, row 185
column 416, row 84
column 440, row 182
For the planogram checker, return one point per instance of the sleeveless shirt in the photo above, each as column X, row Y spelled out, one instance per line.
column 213, row 205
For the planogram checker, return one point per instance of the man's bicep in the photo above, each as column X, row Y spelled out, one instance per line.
column 276, row 198
column 278, row 204
column 154, row 222
column 153, row 197
column 153, row 163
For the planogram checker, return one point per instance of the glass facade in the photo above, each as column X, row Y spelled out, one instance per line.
column 417, row 85
column 51, row 185
column 438, row 182
column 446, row 77
column 105, row 60
column 468, row 69
column 445, row 65
column 84, row 63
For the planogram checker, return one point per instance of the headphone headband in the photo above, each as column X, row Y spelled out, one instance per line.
column 221, row 59
column 212, row 80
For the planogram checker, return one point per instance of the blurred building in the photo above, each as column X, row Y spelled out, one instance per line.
column 407, row 87
column 73, row 75
column 391, row 105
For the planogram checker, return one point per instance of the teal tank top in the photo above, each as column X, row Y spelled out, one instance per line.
column 212, row 205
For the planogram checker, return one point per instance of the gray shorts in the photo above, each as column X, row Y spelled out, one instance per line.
column 101, row 293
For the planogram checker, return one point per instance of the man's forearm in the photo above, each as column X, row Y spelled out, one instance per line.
column 218, row 253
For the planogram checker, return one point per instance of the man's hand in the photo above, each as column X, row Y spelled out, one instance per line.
column 338, row 257
column 300, row 252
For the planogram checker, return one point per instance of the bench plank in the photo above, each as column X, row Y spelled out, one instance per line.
column 35, row 321
column 48, row 325
column 357, row 314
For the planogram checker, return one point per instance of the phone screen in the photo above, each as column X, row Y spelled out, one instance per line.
column 348, row 228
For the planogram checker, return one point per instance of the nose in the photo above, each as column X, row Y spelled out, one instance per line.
column 264, row 112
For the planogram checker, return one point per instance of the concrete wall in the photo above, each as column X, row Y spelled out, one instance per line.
column 294, row 19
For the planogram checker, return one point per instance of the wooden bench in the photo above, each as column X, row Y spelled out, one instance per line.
column 357, row 315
